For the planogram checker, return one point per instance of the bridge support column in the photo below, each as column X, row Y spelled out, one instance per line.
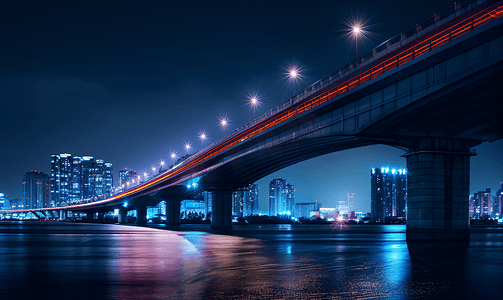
column 173, row 212
column 36, row 215
column 62, row 215
column 141, row 215
column 100, row 217
column 122, row 216
column 221, row 209
column 438, row 191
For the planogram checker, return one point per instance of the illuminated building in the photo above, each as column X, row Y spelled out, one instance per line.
column 245, row 201
column 76, row 194
column 388, row 194
column 36, row 187
column 304, row 209
column 281, row 197
column 482, row 204
column 75, row 179
column 4, row 202
column 250, row 206
column 61, row 177
column 108, row 181
column 237, row 203
column 497, row 202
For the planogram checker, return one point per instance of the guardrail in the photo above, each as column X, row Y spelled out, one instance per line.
column 381, row 50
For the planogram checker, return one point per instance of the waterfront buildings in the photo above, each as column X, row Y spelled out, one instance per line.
column 388, row 194
column 281, row 197
column 76, row 179
column 36, row 187
column 485, row 204
column 3, row 200
column 481, row 204
column 250, row 205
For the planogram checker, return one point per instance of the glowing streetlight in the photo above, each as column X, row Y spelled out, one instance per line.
column 202, row 136
column 187, row 147
column 254, row 102
column 223, row 123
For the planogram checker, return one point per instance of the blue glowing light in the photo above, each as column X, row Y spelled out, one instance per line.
column 125, row 204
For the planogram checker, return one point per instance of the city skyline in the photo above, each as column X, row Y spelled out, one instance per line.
column 128, row 102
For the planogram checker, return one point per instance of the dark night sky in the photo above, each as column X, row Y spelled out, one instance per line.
column 129, row 82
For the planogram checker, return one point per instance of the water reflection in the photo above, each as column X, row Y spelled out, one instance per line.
column 117, row 262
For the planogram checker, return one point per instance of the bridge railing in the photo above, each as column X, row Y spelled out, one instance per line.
column 376, row 53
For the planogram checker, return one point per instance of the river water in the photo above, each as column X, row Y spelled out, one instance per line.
column 50, row 260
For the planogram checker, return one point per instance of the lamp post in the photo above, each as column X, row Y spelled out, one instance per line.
column 224, row 122
column 187, row 147
column 254, row 102
column 356, row 32
column 293, row 73
column 202, row 137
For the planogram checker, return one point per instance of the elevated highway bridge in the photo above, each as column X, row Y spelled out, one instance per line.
column 435, row 91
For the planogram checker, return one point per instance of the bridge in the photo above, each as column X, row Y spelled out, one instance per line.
column 434, row 90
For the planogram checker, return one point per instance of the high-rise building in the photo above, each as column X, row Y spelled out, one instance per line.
column 250, row 205
column 76, row 179
column 4, row 202
column 36, row 187
column 388, row 194
column 498, row 202
column 238, row 198
column 281, row 197
column 61, row 177
column 482, row 204
column 108, row 182
column 77, row 188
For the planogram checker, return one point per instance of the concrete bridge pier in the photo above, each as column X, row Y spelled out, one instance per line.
column 172, row 212
column 122, row 216
column 100, row 217
column 438, row 191
column 221, row 209
column 62, row 215
column 141, row 215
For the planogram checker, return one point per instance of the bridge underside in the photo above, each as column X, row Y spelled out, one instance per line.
column 470, row 109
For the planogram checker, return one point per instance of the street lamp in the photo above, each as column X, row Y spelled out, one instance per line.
column 202, row 137
column 223, row 123
column 293, row 73
column 254, row 102
column 356, row 32
column 187, row 147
